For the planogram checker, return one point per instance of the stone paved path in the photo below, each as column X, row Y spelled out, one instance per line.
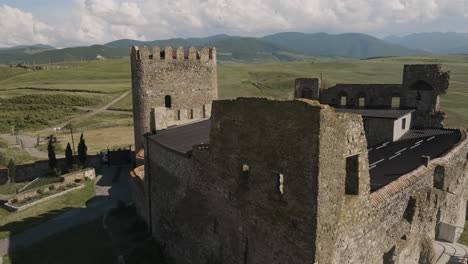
column 448, row 253
column 107, row 195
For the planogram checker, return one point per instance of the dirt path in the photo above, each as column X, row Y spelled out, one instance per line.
column 89, row 114
column 29, row 142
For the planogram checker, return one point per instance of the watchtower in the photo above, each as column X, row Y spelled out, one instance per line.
column 171, row 87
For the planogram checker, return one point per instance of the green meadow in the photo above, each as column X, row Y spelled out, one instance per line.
column 105, row 80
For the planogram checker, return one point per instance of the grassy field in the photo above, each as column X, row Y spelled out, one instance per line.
column 464, row 236
column 87, row 243
column 111, row 78
column 19, row 156
column 15, row 222
column 234, row 80
column 100, row 139
column 81, row 83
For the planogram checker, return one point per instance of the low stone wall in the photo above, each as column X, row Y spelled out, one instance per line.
column 89, row 174
column 13, row 208
column 3, row 175
column 66, row 179
column 29, row 172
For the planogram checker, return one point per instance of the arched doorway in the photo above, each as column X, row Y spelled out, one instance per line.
column 423, row 93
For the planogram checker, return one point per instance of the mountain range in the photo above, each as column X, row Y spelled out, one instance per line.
column 435, row 42
column 286, row 46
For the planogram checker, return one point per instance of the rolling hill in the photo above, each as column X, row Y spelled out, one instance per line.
column 68, row 54
column 434, row 42
column 20, row 53
column 288, row 46
column 352, row 45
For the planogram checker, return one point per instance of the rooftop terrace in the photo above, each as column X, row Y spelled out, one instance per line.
column 387, row 161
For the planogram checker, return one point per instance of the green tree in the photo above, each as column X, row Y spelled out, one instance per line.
column 11, row 170
column 51, row 154
column 82, row 150
column 69, row 155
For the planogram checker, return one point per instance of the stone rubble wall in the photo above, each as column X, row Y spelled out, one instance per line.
column 420, row 90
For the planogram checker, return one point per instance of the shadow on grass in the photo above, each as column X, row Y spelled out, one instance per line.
column 86, row 243
column 60, row 227
column 19, row 226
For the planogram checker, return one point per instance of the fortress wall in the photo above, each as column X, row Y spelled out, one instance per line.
column 368, row 229
column 208, row 209
column 376, row 95
column 342, row 140
column 420, row 90
column 137, row 190
column 190, row 79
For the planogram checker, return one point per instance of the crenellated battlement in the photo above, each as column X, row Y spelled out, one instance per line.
column 143, row 53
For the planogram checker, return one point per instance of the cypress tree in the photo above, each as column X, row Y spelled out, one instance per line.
column 51, row 154
column 11, row 170
column 82, row 150
column 69, row 155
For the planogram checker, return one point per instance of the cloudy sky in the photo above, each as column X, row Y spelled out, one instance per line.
column 65, row 23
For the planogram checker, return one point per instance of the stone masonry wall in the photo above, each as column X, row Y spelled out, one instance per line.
column 190, row 79
column 420, row 90
column 376, row 95
column 402, row 214
column 208, row 208
column 29, row 172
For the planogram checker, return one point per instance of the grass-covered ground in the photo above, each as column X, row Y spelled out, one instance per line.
column 111, row 78
column 100, row 139
column 15, row 222
column 87, row 243
column 464, row 236
column 18, row 155
column 234, row 80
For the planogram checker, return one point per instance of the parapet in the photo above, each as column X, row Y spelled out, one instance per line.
column 204, row 54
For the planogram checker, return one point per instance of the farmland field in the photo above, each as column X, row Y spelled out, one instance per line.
column 103, row 81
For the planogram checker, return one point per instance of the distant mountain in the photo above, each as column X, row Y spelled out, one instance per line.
column 228, row 48
column 459, row 50
column 68, row 54
column 289, row 46
column 353, row 45
column 36, row 46
column 175, row 42
column 434, row 42
column 20, row 53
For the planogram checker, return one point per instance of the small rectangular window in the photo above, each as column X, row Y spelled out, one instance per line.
column 281, row 184
column 403, row 123
column 245, row 175
column 352, row 175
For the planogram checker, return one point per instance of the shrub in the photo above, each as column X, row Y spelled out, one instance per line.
column 52, row 187
column 40, row 191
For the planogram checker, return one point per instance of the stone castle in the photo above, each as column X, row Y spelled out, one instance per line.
column 349, row 174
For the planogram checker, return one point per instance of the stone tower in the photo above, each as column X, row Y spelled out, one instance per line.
column 171, row 87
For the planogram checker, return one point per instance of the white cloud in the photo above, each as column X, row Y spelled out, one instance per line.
column 100, row 21
column 17, row 27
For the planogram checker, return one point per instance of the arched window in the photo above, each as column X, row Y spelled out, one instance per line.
column 168, row 101
column 421, row 86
